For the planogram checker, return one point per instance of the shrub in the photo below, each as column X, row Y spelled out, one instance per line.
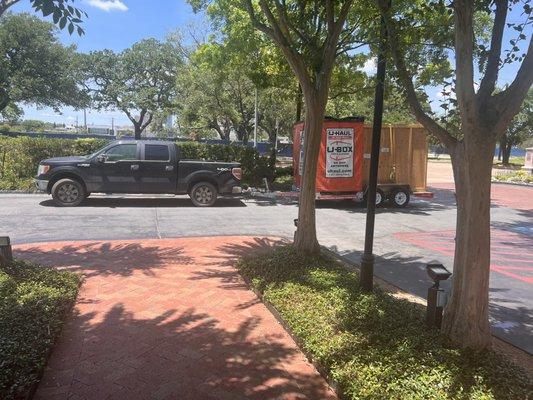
column 374, row 346
column 34, row 301
column 20, row 156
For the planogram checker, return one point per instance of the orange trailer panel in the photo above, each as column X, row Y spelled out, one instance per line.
column 340, row 160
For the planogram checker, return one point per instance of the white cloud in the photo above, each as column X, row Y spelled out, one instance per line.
column 109, row 5
column 370, row 66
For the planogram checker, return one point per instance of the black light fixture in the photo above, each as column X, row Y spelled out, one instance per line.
column 436, row 296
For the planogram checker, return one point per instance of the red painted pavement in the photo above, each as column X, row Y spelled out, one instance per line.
column 511, row 253
column 512, row 196
column 169, row 319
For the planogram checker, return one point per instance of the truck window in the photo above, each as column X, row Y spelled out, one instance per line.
column 156, row 152
column 122, row 152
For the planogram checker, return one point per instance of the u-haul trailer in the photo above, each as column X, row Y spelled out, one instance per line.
column 344, row 162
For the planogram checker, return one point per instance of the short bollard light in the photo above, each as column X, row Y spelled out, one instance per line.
column 436, row 296
column 6, row 256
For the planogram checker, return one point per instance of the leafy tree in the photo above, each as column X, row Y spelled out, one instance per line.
column 139, row 81
column 310, row 35
column 34, row 67
column 483, row 117
column 519, row 130
column 63, row 14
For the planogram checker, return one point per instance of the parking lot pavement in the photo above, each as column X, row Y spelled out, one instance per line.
column 405, row 238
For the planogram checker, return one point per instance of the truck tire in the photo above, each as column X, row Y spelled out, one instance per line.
column 400, row 198
column 203, row 194
column 68, row 192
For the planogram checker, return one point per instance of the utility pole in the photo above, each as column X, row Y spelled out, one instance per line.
column 367, row 261
column 255, row 117
column 85, row 119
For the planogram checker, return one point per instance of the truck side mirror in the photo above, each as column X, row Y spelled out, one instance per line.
column 101, row 158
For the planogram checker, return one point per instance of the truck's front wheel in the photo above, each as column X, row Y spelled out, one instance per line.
column 203, row 194
column 68, row 192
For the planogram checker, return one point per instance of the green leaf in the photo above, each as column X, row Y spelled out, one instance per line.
column 62, row 22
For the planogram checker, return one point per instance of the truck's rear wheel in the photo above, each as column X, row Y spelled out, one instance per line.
column 203, row 194
column 400, row 198
column 68, row 192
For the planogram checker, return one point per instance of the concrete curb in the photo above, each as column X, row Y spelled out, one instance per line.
column 523, row 184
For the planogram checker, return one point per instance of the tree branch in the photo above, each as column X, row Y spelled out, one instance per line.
column 511, row 98
column 488, row 82
column 464, row 67
column 416, row 107
column 5, row 4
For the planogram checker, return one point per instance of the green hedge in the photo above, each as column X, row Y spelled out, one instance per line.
column 34, row 302
column 20, row 156
column 374, row 346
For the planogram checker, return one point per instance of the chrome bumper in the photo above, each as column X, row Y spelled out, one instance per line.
column 41, row 184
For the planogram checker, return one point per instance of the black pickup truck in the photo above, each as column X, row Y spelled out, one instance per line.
column 135, row 166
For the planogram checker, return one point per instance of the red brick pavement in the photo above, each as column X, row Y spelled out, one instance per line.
column 169, row 319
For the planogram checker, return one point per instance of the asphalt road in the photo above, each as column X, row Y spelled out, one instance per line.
column 405, row 240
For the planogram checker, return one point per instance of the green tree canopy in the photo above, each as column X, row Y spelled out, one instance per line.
column 34, row 67
column 140, row 81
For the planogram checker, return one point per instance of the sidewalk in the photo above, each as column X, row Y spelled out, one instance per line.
column 169, row 319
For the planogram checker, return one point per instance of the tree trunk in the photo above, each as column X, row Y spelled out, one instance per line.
column 299, row 103
column 466, row 314
column 4, row 99
column 506, row 155
column 138, row 131
column 305, row 240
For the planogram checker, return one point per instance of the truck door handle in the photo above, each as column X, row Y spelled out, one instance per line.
column 135, row 167
column 169, row 168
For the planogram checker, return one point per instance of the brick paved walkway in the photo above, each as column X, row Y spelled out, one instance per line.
column 169, row 319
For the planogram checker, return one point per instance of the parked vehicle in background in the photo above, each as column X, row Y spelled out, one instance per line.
column 138, row 167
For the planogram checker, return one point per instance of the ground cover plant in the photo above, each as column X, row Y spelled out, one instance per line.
column 34, row 302
column 374, row 346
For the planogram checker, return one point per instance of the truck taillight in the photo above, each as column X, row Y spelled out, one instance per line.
column 237, row 173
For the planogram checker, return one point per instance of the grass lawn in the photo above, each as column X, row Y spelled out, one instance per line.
column 34, row 301
column 374, row 346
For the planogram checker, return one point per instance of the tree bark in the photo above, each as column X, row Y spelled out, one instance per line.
column 299, row 103
column 305, row 240
column 506, row 155
column 138, row 131
column 466, row 314
column 4, row 99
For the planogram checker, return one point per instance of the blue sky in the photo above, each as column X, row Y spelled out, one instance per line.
column 117, row 24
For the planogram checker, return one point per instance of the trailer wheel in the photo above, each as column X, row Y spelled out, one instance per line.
column 380, row 197
column 400, row 198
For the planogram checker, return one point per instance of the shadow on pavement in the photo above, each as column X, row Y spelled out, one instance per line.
column 126, row 202
column 105, row 258
column 182, row 355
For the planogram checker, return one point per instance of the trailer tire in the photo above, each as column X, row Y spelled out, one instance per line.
column 380, row 197
column 400, row 198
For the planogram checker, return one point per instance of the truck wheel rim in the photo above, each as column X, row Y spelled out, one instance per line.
column 203, row 195
column 68, row 193
column 400, row 198
column 378, row 198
